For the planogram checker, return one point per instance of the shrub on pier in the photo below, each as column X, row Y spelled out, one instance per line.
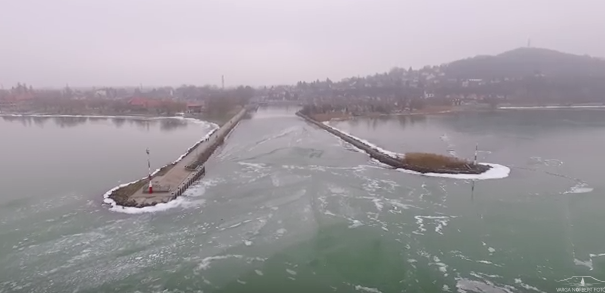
column 437, row 162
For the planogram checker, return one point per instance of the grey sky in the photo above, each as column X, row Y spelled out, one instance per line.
column 153, row 42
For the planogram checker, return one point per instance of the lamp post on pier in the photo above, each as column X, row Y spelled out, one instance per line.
column 149, row 169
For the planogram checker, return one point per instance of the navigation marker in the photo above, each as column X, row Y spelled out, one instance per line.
column 149, row 169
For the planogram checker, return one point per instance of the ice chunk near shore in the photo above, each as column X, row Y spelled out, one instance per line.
column 579, row 188
column 150, row 209
column 367, row 289
column 496, row 171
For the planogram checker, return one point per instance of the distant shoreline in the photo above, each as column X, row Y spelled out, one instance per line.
column 345, row 116
column 551, row 107
column 143, row 116
column 336, row 116
column 215, row 120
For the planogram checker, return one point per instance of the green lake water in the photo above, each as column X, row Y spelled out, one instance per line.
column 287, row 207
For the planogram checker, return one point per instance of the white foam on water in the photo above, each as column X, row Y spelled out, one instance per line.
column 367, row 289
column 420, row 223
column 440, row 225
column 235, row 225
column 355, row 224
column 587, row 263
column 445, row 288
column 259, row 272
column 275, row 180
column 206, row 281
column 580, row 187
column 528, row 287
column 161, row 206
column 211, row 182
column 336, row 189
column 205, row 264
column 487, row 262
column 291, row 272
column 441, row 221
column 283, row 133
column 247, row 242
column 281, row 231
column 378, row 204
column 441, row 265
column 496, row 171
column 329, row 213
column 466, row 285
column 253, row 166
column 397, row 204
column 481, row 275
column 546, row 162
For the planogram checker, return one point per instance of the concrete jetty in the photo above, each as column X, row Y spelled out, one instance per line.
column 389, row 160
column 174, row 182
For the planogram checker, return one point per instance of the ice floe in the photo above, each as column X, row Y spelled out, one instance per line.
column 580, row 187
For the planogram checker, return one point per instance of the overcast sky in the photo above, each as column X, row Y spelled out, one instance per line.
column 256, row 42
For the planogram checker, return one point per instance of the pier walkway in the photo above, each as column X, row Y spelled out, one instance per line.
column 175, row 176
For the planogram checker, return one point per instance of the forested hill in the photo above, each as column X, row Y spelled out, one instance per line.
column 524, row 62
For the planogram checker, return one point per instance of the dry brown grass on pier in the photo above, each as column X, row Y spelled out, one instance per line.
column 435, row 161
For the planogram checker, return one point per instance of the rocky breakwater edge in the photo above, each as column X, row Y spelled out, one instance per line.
column 426, row 164
column 127, row 197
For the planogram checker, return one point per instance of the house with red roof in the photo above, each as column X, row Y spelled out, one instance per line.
column 196, row 107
